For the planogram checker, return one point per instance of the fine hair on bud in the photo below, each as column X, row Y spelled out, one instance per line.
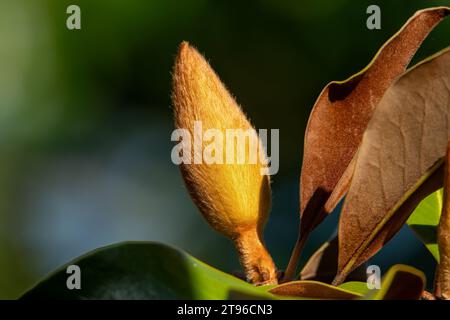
column 234, row 198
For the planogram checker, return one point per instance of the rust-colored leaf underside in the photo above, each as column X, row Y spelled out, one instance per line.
column 399, row 161
column 342, row 112
column 339, row 119
column 313, row 290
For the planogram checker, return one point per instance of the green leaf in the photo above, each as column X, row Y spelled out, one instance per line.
column 425, row 219
column 357, row 287
column 401, row 282
column 144, row 270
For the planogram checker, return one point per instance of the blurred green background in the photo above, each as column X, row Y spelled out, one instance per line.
column 85, row 118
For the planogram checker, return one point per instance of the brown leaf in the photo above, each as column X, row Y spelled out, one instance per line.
column 401, row 282
column 399, row 161
column 443, row 276
column 322, row 265
column 405, row 286
column 339, row 118
column 313, row 290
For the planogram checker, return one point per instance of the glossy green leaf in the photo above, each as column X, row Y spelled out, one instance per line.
column 425, row 219
column 357, row 287
column 144, row 270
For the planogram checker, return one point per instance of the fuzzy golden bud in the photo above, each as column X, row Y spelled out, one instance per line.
column 233, row 197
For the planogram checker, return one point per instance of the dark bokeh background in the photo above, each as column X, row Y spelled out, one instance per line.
column 85, row 118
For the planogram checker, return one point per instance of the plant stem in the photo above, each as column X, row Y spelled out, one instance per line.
column 255, row 259
column 436, row 288
column 443, row 283
column 291, row 269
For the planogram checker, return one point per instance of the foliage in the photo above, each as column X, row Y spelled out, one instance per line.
column 380, row 138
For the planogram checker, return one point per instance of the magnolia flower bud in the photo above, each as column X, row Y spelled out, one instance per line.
column 233, row 197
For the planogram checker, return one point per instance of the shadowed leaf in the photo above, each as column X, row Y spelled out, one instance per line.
column 322, row 265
